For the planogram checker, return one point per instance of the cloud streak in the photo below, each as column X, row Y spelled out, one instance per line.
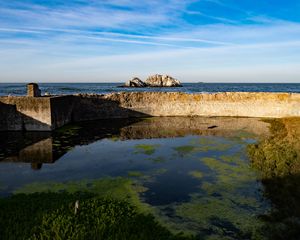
column 119, row 38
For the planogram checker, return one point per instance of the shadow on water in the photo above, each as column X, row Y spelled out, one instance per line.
column 38, row 148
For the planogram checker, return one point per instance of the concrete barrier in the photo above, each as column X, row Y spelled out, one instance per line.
column 49, row 113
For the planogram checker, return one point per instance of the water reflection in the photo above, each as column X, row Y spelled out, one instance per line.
column 40, row 148
column 193, row 172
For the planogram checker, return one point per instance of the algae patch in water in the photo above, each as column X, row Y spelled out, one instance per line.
column 157, row 159
column 135, row 174
column 52, row 215
column 184, row 150
column 223, row 208
column 147, row 149
column 279, row 154
column 69, row 129
column 114, row 138
column 196, row 174
column 117, row 188
column 277, row 157
column 107, row 201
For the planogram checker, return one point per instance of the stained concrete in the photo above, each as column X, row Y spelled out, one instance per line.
column 49, row 113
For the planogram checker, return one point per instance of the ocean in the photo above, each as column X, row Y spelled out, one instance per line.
column 18, row 89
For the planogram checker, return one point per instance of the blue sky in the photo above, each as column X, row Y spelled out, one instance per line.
column 112, row 41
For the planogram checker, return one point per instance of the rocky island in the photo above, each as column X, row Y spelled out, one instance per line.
column 156, row 80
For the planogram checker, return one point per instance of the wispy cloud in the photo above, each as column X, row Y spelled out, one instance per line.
column 115, row 39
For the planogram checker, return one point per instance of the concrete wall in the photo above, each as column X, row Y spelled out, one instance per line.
column 89, row 107
column 48, row 113
column 273, row 105
column 25, row 113
column 62, row 109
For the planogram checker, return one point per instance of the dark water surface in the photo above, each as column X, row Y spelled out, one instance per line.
column 100, row 88
column 195, row 179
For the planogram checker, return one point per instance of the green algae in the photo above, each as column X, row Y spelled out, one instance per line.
column 116, row 188
column 277, row 158
column 230, row 175
column 157, row 159
column 221, row 216
column 221, row 208
column 205, row 144
column 51, row 216
column 135, row 174
column 114, row 138
column 196, row 174
column 147, row 149
column 160, row 171
column 234, row 159
column 69, row 129
column 279, row 154
column 184, row 150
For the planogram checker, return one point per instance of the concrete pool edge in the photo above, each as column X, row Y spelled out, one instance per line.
column 47, row 113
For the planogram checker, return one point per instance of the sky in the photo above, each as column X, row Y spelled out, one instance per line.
column 113, row 41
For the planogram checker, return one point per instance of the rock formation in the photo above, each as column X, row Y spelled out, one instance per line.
column 154, row 81
column 135, row 82
column 162, row 81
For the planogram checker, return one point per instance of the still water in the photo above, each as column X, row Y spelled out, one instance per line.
column 194, row 174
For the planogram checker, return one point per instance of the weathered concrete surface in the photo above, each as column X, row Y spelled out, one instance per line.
column 273, row 105
column 48, row 113
column 33, row 90
column 62, row 109
column 25, row 113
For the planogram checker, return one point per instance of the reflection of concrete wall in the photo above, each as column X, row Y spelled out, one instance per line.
column 40, row 152
column 160, row 127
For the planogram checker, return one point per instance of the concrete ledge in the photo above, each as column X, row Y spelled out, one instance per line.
column 239, row 104
column 48, row 113
column 25, row 113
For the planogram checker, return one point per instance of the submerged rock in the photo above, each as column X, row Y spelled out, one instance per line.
column 135, row 82
column 162, row 81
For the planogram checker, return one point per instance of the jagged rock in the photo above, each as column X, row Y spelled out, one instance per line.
column 135, row 82
column 154, row 81
column 162, row 81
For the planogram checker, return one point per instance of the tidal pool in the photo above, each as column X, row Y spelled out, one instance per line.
column 203, row 181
